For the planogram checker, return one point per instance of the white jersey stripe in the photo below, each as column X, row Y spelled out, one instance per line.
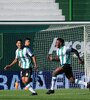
column 64, row 55
column 24, row 57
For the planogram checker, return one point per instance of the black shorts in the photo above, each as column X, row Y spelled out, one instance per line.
column 67, row 69
column 26, row 72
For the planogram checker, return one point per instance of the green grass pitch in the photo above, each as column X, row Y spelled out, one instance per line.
column 61, row 94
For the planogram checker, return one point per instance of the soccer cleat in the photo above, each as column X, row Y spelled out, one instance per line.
column 34, row 94
column 40, row 81
column 50, row 92
column 88, row 85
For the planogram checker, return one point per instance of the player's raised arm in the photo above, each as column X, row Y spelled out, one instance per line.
column 77, row 54
column 19, row 46
column 10, row 65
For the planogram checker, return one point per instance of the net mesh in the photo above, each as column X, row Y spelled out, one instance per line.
column 73, row 36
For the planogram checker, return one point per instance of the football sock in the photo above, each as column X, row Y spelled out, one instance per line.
column 53, row 83
column 80, row 82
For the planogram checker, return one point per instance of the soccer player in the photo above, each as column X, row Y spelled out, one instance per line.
column 37, row 78
column 23, row 55
column 63, row 56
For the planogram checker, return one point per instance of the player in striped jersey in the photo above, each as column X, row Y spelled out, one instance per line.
column 23, row 55
column 36, row 77
column 63, row 56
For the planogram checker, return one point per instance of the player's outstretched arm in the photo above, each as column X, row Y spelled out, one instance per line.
column 50, row 58
column 77, row 54
column 10, row 65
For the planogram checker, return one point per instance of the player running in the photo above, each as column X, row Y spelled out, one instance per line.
column 23, row 56
column 37, row 77
column 63, row 56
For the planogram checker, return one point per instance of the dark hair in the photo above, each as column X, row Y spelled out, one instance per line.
column 61, row 40
column 19, row 40
column 27, row 39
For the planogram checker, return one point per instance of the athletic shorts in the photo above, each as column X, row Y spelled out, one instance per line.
column 67, row 69
column 26, row 72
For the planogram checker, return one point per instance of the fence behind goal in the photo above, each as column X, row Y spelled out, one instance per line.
column 42, row 42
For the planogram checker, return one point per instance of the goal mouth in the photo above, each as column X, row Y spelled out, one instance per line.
column 43, row 36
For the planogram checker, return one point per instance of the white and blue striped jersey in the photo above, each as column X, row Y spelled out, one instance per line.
column 24, row 56
column 64, row 55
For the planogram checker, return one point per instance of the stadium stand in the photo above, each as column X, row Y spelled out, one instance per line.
column 30, row 10
column 81, row 10
column 64, row 5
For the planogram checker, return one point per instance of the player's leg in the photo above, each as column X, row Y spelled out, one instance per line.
column 56, row 72
column 68, row 72
column 69, row 75
column 29, row 86
column 22, row 81
column 16, row 85
column 28, row 82
column 77, row 81
column 37, row 78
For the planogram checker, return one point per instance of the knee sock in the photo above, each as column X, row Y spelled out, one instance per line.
column 29, row 86
column 77, row 81
column 53, row 83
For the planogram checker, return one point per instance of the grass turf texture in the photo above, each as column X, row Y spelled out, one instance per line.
column 62, row 94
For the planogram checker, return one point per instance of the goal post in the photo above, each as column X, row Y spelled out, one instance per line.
column 87, row 51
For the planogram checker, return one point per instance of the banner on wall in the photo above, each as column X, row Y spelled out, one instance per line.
column 8, row 79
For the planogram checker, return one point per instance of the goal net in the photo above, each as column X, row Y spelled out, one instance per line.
column 43, row 38
column 45, row 44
